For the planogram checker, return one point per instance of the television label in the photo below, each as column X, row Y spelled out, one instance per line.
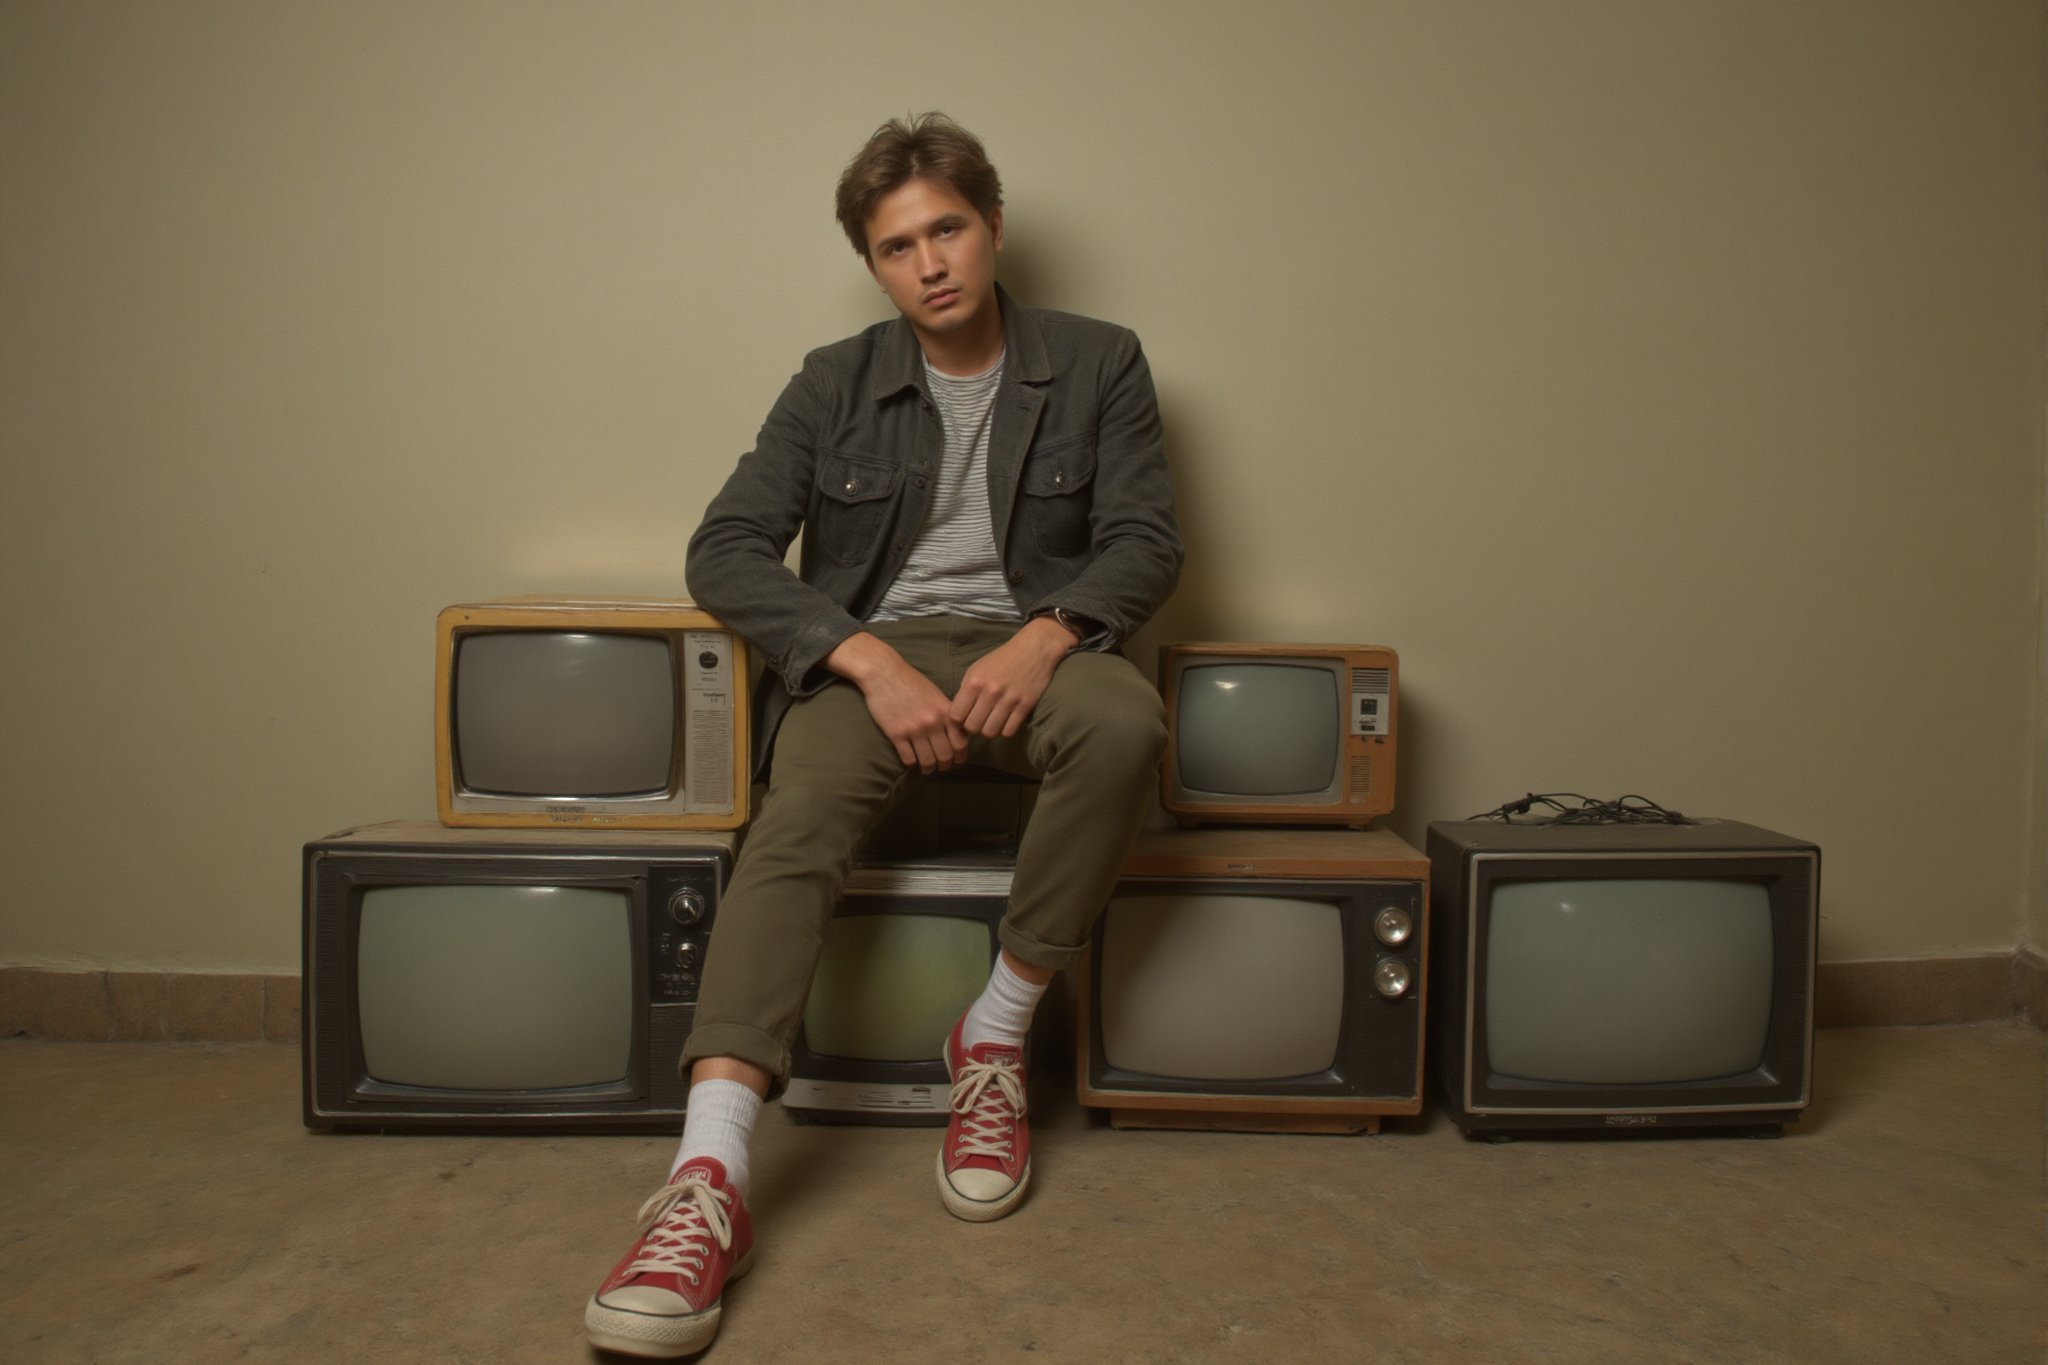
column 1372, row 700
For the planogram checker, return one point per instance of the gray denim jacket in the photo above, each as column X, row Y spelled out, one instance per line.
column 1078, row 491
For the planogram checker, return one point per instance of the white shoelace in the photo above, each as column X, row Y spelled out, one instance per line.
column 678, row 1223
column 988, row 1096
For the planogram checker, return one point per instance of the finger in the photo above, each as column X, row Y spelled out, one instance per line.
column 973, row 696
column 995, row 721
column 975, row 722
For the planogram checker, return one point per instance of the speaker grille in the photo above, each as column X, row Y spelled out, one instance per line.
column 666, row 1083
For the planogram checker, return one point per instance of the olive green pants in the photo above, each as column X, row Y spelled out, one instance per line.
column 1094, row 741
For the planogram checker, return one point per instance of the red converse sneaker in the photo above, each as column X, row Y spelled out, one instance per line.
column 662, row 1298
column 986, row 1162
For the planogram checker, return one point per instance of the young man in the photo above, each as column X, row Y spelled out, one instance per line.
column 986, row 516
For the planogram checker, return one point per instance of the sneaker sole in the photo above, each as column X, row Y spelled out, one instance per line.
column 980, row 1210
column 654, row 1337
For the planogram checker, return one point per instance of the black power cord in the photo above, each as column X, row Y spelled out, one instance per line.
column 1624, row 810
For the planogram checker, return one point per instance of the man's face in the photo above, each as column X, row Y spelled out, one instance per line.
column 935, row 257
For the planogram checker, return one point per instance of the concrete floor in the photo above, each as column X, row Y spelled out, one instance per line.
column 162, row 1203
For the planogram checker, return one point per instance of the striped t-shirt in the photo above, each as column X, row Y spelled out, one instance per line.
column 953, row 569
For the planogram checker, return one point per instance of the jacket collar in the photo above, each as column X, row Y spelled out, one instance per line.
column 900, row 364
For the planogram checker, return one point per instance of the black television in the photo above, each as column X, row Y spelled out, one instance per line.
column 1623, row 977
column 503, row 980
column 909, row 947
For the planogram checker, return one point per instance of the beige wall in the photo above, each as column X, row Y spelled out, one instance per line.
column 1664, row 381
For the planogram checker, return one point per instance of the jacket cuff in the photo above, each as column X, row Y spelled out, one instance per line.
column 802, row 669
column 1101, row 639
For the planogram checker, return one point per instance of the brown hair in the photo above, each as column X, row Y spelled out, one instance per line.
column 928, row 146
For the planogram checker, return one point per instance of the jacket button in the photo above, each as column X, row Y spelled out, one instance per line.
column 852, row 486
column 1016, row 575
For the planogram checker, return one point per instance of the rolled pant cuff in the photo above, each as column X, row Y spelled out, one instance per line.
column 744, row 1042
column 1036, row 952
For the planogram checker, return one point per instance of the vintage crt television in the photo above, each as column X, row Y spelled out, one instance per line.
column 1622, row 977
column 1258, row 979
column 1279, row 734
column 909, row 948
column 503, row 979
column 631, row 713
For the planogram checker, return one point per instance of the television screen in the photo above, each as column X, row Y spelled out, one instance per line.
column 544, row 998
column 890, row 987
column 543, row 713
column 504, row 979
column 1279, row 734
column 1622, row 977
column 560, row 711
column 1258, row 729
column 908, row 949
column 1222, row 987
column 1259, row 979
column 1628, row 980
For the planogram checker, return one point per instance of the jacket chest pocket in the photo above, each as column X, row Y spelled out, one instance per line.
column 1058, row 490
column 851, row 502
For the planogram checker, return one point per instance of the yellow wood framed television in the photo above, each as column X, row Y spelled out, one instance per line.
column 629, row 713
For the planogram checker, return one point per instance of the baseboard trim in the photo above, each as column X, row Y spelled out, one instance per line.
column 148, row 1007
column 2030, row 986
column 1975, row 989
column 223, row 1007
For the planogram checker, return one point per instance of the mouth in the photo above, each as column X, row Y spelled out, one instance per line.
column 939, row 297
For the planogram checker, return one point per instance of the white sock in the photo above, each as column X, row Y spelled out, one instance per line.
column 718, row 1121
column 1003, row 1013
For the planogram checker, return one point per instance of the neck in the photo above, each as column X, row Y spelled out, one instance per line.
column 968, row 352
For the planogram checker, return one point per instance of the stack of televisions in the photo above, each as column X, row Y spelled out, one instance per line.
column 1276, row 963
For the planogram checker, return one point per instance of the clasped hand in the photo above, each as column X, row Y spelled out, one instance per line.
column 930, row 730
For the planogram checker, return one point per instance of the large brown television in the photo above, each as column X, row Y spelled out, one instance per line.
column 1260, row 980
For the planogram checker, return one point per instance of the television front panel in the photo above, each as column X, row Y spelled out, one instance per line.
column 1257, row 979
column 1623, row 978
column 909, row 948
column 554, row 712
column 502, row 979
column 1279, row 734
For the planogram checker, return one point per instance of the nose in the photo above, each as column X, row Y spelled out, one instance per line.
column 930, row 264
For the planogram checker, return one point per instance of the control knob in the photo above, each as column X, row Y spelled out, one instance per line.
column 686, row 907
column 1391, row 978
column 1393, row 926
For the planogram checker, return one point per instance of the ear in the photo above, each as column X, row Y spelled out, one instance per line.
column 995, row 229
